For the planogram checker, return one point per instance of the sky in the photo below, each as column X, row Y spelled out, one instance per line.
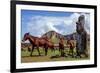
column 38, row 22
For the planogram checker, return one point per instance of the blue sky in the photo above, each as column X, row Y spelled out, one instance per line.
column 39, row 22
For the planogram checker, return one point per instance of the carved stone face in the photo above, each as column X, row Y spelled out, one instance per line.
column 81, row 19
column 80, row 24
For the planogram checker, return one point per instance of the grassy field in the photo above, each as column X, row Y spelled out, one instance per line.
column 52, row 56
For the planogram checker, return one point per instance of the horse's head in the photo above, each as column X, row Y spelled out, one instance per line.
column 61, row 38
column 26, row 36
column 68, row 41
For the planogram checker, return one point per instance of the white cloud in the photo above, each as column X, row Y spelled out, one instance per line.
column 38, row 25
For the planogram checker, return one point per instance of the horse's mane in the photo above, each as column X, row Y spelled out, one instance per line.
column 34, row 36
column 44, row 38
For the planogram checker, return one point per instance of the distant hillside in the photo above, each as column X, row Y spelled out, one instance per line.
column 54, row 36
column 73, row 36
column 57, row 35
column 70, row 36
column 50, row 34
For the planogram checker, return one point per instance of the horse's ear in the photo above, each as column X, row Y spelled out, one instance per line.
column 28, row 33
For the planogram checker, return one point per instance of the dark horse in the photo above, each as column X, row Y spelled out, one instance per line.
column 38, row 42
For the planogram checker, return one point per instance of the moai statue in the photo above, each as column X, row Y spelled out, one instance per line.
column 81, row 36
column 81, row 19
column 80, row 24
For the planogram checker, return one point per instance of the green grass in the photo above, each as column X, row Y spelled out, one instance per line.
column 25, row 56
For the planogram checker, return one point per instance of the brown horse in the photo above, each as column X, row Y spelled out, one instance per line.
column 71, row 45
column 61, row 46
column 49, row 44
column 38, row 42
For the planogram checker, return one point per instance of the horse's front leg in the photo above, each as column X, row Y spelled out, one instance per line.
column 32, row 50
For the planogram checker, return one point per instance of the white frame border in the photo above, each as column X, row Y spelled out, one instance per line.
column 20, row 65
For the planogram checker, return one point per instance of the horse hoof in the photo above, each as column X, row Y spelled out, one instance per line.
column 39, row 55
column 31, row 55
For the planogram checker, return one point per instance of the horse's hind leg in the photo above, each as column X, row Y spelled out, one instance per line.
column 32, row 50
column 38, row 50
